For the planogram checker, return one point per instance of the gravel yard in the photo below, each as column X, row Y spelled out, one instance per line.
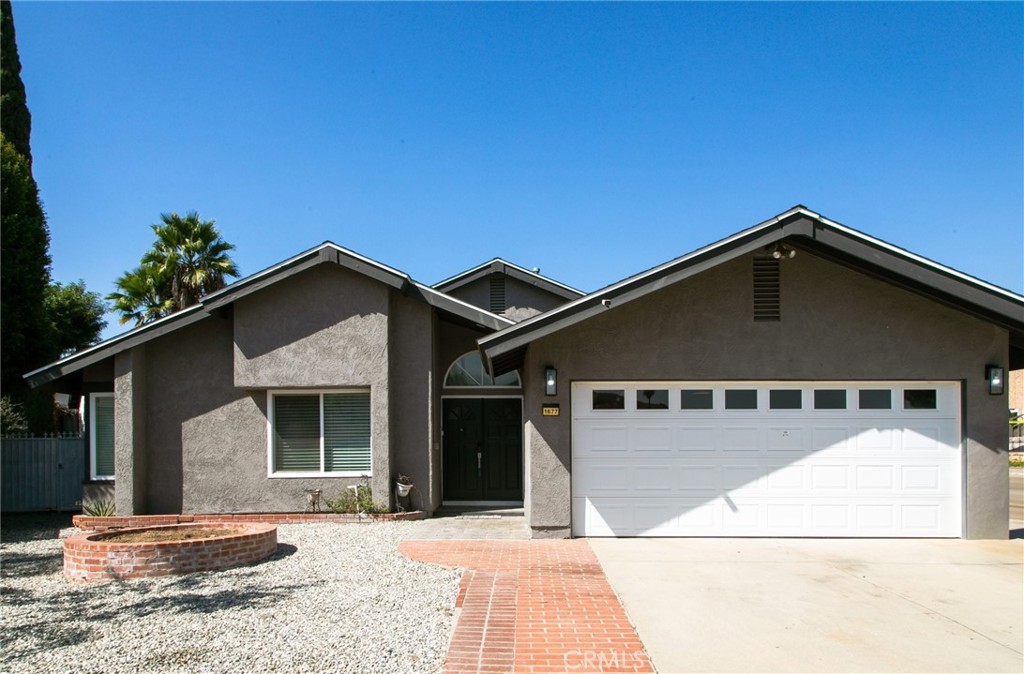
column 335, row 598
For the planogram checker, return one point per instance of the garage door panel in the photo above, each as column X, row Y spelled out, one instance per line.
column 740, row 480
column 602, row 439
column 699, row 478
column 696, row 439
column 764, row 472
column 831, row 478
column 786, row 439
column 653, row 479
column 786, row 478
column 830, row 517
column 921, row 518
column 923, row 437
column 920, row 478
column 647, row 439
column 748, row 439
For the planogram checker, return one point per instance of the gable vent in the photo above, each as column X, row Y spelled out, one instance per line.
column 497, row 293
column 767, row 302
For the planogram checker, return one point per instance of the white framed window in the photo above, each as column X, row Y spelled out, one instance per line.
column 101, row 436
column 468, row 371
column 321, row 433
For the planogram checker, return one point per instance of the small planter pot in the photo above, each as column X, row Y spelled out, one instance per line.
column 403, row 489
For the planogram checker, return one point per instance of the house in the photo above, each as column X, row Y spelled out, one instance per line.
column 799, row 378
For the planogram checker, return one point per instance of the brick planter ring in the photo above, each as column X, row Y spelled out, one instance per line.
column 93, row 557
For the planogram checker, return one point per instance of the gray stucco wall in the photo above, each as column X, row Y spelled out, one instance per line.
column 413, row 443
column 522, row 299
column 203, row 391
column 326, row 327
column 836, row 324
column 204, row 388
column 130, row 455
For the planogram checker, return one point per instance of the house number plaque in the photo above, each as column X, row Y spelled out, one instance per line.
column 549, row 410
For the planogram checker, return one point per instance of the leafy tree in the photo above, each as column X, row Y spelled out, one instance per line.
column 142, row 295
column 188, row 260
column 76, row 317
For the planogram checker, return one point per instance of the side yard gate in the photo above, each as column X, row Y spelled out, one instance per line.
column 41, row 473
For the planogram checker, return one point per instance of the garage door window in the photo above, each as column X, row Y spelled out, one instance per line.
column 785, row 399
column 741, row 399
column 919, row 399
column 609, row 400
column 652, row 399
column 875, row 399
column 830, row 399
column 697, row 399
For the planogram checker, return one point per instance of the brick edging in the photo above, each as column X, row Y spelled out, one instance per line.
column 95, row 558
column 87, row 523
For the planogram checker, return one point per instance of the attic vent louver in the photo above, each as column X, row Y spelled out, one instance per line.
column 767, row 297
column 497, row 293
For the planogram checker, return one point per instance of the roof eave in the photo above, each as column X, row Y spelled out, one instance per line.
column 500, row 266
column 990, row 302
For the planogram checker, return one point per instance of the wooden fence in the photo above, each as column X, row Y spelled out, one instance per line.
column 41, row 473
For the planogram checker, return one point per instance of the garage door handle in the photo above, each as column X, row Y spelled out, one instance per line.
column 479, row 459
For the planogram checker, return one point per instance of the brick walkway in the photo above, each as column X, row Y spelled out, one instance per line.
column 533, row 606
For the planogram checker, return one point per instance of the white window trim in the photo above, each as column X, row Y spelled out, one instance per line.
column 320, row 392
column 92, row 436
column 448, row 372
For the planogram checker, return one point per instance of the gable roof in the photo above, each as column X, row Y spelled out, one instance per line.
column 499, row 266
column 802, row 228
column 325, row 253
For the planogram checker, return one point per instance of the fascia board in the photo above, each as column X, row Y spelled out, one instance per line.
column 115, row 345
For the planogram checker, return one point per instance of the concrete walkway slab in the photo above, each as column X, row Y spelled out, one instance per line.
column 822, row 605
column 471, row 528
column 550, row 596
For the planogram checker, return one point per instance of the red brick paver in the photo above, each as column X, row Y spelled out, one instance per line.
column 534, row 606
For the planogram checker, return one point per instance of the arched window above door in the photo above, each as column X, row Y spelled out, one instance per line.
column 469, row 371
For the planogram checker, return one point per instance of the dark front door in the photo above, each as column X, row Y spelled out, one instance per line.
column 483, row 449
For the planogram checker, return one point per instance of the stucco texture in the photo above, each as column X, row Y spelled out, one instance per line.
column 192, row 406
column 837, row 324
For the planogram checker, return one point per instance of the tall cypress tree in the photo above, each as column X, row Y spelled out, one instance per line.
column 15, row 120
column 24, row 237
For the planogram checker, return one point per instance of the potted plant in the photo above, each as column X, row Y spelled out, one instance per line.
column 403, row 485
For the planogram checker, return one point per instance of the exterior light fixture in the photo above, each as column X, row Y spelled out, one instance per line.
column 550, row 381
column 996, row 377
column 781, row 251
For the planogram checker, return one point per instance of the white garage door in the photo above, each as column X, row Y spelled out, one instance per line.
column 766, row 459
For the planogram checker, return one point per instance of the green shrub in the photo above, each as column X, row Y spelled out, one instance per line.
column 359, row 500
column 12, row 416
column 99, row 508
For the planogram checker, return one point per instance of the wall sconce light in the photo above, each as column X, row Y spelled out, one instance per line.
column 550, row 381
column 996, row 377
column 781, row 251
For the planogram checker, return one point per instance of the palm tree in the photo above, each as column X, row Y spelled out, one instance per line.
column 192, row 255
column 142, row 295
column 188, row 260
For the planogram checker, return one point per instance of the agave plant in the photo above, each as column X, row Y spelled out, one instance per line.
column 99, row 508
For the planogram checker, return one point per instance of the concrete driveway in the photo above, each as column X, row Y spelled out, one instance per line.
column 1016, row 502
column 817, row 605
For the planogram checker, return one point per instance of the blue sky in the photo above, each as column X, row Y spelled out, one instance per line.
column 591, row 140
